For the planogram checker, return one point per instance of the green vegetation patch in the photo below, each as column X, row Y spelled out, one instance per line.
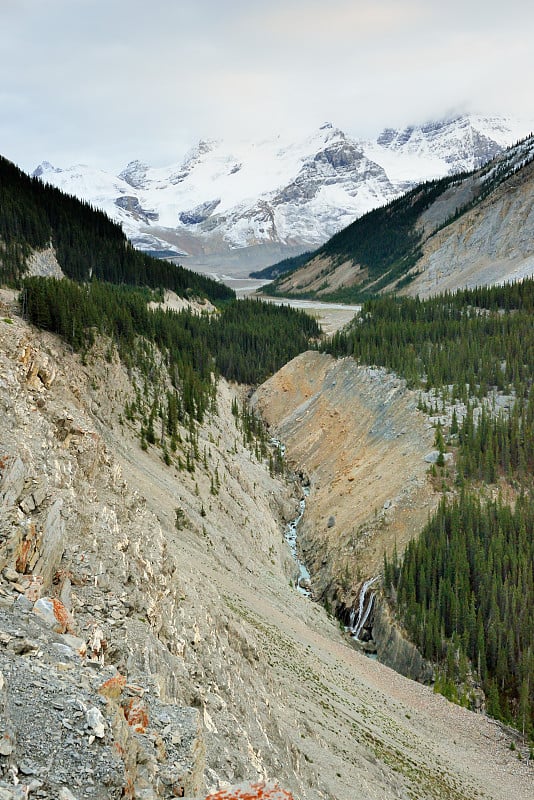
column 465, row 588
column 246, row 342
column 87, row 243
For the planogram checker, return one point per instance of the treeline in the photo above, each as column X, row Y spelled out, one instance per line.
column 472, row 340
column 80, row 312
column 247, row 341
column 466, row 591
column 289, row 264
column 252, row 340
column 88, row 244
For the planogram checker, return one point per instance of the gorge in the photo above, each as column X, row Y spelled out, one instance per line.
column 197, row 611
column 149, row 619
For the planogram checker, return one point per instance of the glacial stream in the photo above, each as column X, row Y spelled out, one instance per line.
column 290, row 535
column 357, row 617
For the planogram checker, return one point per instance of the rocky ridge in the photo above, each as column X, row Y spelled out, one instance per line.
column 235, row 207
column 165, row 651
column 478, row 231
column 491, row 243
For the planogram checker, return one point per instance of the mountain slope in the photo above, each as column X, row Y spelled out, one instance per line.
column 469, row 229
column 46, row 231
column 198, row 616
column 277, row 197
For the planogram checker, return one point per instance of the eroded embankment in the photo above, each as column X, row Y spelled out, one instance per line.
column 357, row 434
column 203, row 666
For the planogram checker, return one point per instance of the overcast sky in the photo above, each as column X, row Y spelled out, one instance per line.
column 107, row 81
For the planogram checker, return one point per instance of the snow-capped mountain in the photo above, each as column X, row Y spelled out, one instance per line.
column 475, row 229
column 277, row 197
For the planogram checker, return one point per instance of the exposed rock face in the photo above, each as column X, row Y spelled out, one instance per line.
column 356, row 433
column 45, row 264
column 396, row 651
column 143, row 651
column 491, row 243
column 64, row 728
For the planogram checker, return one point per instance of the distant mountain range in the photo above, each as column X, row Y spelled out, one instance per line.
column 465, row 230
column 251, row 204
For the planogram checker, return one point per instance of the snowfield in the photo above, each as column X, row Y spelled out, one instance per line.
column 223, row 197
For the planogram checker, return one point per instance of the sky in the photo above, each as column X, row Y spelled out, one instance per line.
column 104, row 82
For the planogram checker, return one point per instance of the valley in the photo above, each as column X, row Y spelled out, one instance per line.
column 160, row 439
column 202, row 613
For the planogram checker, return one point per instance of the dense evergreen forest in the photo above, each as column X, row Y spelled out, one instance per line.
column 245, row 341
column 472, row 339
column 88, row 244
column 465, row 588
column 466, row 591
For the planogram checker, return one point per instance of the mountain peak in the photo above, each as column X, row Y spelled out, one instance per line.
column 274, row 193
column 135, row 174
column 43, row 168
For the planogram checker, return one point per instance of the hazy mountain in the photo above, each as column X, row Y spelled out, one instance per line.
column 273, row 198
column 465, row 230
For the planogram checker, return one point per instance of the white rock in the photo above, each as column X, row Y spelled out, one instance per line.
column 96, row 721
column 66, row 794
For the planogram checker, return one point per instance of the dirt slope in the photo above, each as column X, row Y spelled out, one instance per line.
column 356, row 433
column 201, row 615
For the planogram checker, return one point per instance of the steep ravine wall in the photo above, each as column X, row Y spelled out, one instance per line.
column 178, row 656
column 89, row 521
column 358, row 436
column 393, row 649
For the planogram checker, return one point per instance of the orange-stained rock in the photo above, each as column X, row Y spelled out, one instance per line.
column 113, row 687
column 252, row 791
column 136, row 713
column 54, row 614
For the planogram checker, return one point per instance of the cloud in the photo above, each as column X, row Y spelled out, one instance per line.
column 108, row 80
column 343, row 20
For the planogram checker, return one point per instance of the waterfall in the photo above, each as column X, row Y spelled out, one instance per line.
column 356, row 625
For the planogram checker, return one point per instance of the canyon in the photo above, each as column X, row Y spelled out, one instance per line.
column 151, row 625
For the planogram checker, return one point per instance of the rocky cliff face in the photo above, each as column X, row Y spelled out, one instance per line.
column 357, row 435
column 147, row 648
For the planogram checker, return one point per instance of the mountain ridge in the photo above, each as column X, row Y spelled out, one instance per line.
column 223, row 199
column 458, row 231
